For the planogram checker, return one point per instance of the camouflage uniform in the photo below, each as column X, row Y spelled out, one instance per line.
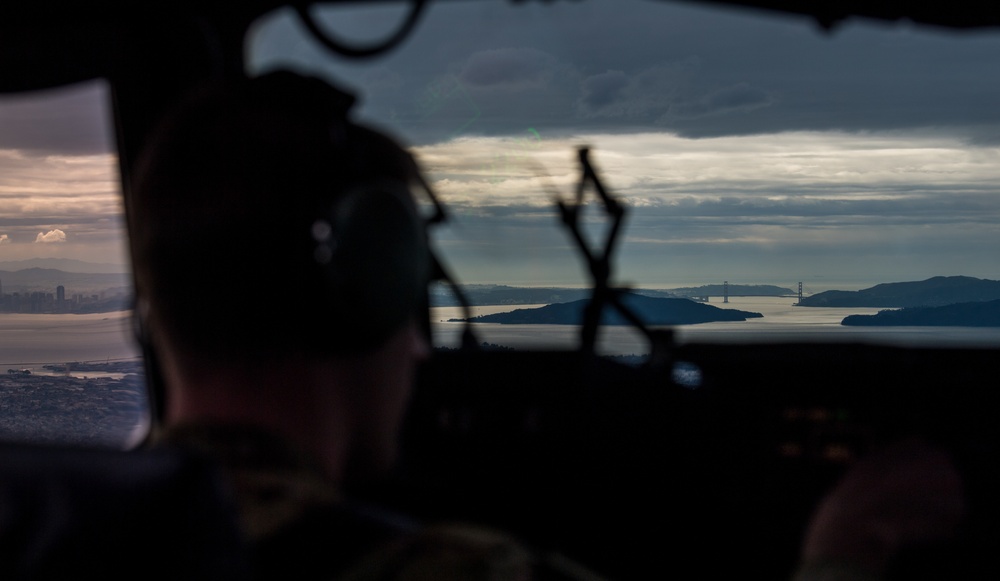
column 299, row 526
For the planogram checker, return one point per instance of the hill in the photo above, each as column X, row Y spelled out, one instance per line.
column 977, row 314
column 652, row 310
column 64, row 264
column 494, row 294
column 47, row 279
column 933, row 292
column 735, row 290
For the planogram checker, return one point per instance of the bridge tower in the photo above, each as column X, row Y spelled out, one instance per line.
column 800, row 292
column 725, row 291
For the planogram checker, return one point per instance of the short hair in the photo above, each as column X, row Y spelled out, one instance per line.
column 222, row 208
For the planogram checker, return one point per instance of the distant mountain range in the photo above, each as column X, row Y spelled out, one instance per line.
column 489, row 294
column 64, row 264
column 47, row 279
column 652, row 310
column 735, row 290
column 933, row 292
column 977, row 314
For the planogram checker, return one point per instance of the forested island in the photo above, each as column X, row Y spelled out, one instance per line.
column 933, row 292
column 652, row 310
column 975, row 314
column 952, row 301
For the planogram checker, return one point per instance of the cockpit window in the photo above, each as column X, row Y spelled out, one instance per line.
column 69, row 369
column 835, row 185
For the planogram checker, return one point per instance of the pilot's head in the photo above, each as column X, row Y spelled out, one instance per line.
column 266, row 222
column 268, row 229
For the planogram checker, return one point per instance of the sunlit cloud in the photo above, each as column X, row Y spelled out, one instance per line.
column 761, row 205
column 4, row 239
column 51, row 237
column 43, row 196
column 663, row 169
column 57, row 176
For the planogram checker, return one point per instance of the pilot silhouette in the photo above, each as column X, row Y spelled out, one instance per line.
column 281, row 276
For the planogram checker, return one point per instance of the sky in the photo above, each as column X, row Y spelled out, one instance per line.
column 59, row 185
column 751, row 148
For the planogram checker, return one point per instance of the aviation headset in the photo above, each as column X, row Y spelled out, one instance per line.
column 357, row 248
column 365, row 247
column 373, row 252
column 370, row 243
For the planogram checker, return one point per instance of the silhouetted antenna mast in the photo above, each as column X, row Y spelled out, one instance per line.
column 599, row 264
column 439, row 272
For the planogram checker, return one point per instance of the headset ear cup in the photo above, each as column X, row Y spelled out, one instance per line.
column 373, row 250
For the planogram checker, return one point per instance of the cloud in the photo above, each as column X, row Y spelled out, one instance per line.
column 663, row 95
column 603, row 89
column 859, row 152
column 753, row 75
column 661, row 168
column 58, row 168
column 78, row 194
column 642, row 96
column 383, row 79
column 71, row 120
column 510, row 67
column 737, row 98
column 51, row 237
column 755, row 206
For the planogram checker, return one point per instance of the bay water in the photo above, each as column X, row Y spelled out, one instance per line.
column 782, row 321
column 30, row 341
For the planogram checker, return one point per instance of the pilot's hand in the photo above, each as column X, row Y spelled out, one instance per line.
column 906, row 494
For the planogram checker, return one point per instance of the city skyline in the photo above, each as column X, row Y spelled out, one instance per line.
column 58, row 301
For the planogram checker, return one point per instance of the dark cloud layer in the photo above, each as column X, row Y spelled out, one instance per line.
column 603, row 89
column 621, row 66
column 616, row 68
column 737, row 98
column 507, row 67
column 72, row 120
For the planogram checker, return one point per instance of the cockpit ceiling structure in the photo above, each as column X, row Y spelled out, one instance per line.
column 37, row 39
